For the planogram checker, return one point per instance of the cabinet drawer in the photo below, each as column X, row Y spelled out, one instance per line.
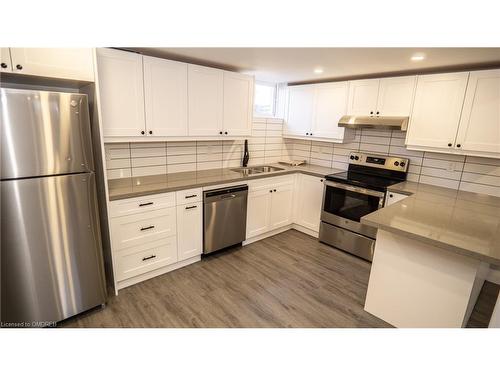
column 141, row 204
column 189, row 196
column 135, row 229
column 147, row 257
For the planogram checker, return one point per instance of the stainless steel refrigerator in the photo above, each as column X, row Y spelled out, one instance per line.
column 51, row 252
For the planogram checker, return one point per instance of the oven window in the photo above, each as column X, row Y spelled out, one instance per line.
column 349, row 204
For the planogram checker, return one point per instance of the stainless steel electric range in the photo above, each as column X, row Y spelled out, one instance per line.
column 350, row 195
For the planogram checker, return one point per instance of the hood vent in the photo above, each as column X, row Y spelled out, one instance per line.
column 374, row 122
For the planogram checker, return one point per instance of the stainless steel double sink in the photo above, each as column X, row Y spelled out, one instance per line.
column 257, row 169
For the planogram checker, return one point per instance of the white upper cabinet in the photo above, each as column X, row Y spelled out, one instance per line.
column 65, row 63
column 238, row 104
column 121, row 93
column 436, row 111
column 166, row 97
column 330, row 104
column 479, row 130
column 5, row 63
column 363, row 96
column 382, row 97
column 395, row 96
column 205, row 103
column 300, row 110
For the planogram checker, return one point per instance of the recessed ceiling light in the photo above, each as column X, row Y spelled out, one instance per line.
column 318, row 70
column 418, row 57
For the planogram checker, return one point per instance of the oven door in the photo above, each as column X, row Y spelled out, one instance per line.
column 344, row 205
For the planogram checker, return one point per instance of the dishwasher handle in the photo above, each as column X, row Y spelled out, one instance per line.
column 229, row 196
column 225, row 193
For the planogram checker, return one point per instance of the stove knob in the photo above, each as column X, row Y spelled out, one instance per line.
column 402, row 164
column 351, row 157
column 396, row 163
column 356, row 157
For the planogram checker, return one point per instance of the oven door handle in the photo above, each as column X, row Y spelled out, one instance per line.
column 356, row 189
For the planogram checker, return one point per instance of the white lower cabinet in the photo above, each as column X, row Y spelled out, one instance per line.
column 309, row 198
column 189, row 230
column 149, row 256
column 270, row 203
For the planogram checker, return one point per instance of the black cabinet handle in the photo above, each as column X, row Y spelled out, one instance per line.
column 271, row 190
column 377, row 112
column 307, row 133
column 142, row 132
column 150, row 132
column 459, row 145
column 310, row 133
column 371, row 112
column 19, row 67
column 190, row 207
column 274, row 190
column 225, row 133
column 449, row 144
column 190, row 196
column 321, row 180
column 145, row 204
column 146, row 228
column 391, row 196
column 220, row 132
column 3, row 65
column 149, row 257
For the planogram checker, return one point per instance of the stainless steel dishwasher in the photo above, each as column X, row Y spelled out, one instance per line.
column 224, row 217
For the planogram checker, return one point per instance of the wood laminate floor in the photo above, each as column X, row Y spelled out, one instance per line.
column 288, row 280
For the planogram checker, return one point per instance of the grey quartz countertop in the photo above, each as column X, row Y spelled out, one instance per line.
column 463, row 222
column 139, row 186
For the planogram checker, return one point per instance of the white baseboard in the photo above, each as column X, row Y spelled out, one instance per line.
column 493, row 276
column 160, row 271
column 305, row 230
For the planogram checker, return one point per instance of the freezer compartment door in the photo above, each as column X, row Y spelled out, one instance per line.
column 44, row 133
column 51, row 258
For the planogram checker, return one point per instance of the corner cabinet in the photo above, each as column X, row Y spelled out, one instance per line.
column 315, row 110
column 309, row 199
column 121, row 93
column 63, row 63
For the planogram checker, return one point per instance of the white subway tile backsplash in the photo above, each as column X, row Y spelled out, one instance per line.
column 266, row 145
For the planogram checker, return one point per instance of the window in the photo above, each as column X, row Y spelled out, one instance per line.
column 264, row 99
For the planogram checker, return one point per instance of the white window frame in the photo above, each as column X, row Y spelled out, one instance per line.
column 275, row 97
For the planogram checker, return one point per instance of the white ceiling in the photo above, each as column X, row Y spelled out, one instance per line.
column 297, row 64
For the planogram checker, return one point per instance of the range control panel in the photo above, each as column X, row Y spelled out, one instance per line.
column 394, row 163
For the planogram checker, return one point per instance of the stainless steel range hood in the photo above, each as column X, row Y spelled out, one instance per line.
column 374, row 122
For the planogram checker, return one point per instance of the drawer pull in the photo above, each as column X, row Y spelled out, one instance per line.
column 145, row 204
column 149, row 227
column 190, row 207
column 149, row 257
column 191, row 196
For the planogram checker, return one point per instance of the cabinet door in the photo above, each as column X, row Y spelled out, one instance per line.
column 238, row 100
column 395, row 96
column 121, row 93
column 165, row 97
column 310, row 200
column 189, row 230
column 300, row 110
column 480, row 122
column 205, row 101
column 330, row 104
column 281, row 206
column 67, row 63
column 5, row 63
column 258, row 211
column 436, row 110
column 363, row 97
